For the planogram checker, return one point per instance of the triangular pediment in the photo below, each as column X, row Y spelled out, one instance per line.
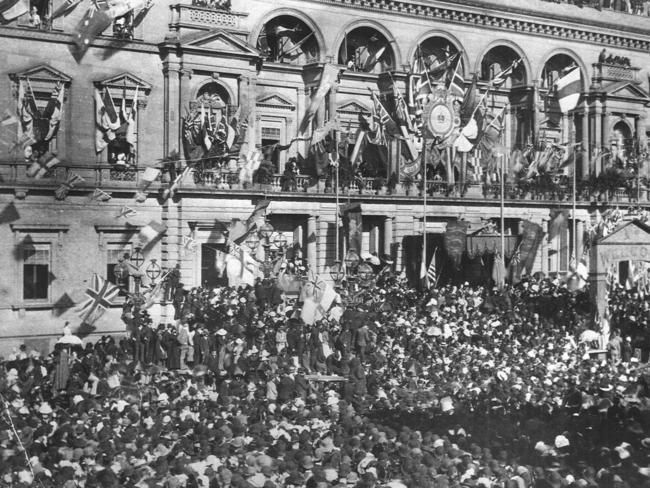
column 275, row 100
column 626, row 89
column 633, row 232
column 220, row 41
column 126, row 80
column 352, row 107
column 43, row 73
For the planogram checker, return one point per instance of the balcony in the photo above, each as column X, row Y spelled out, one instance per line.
column 209, row 181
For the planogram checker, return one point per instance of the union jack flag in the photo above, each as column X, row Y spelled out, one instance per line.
column 100, row 294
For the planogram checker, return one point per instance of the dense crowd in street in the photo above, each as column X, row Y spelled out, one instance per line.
column 459, row 386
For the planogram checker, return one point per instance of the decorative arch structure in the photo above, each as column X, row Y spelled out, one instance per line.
column 524, row 67
column 584, row 72
column 629, row 242
column 369, row 51
column 300, row 40
column 433, row 44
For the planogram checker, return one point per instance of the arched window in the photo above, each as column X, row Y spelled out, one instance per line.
column 287, row 39
column 433, row 55
column 367, row 50
column 498, row 59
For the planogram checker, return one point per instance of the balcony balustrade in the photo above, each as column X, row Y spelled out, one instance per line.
column 14, row 174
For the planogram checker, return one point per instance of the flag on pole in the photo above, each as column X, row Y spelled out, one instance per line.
column 151, row 174
column 457, row 82
column 327, row 80
column 173, row 188
column 9, row 214
column 189, row 244
column 432, row 272
column 126, row 212
column 501, row 77
column 103, row 133
column 251, row 163
column 131, row 128
column 101, row 195
column 568, row 89
column 94, row 22
column 8, row 119
column 65, row 8
column 499, row 272
column 40, row 168
column 100, row 294
column 54, row 111
column 151, row 232
column 11, row 9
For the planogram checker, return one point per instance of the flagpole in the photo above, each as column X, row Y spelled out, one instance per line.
column 424, row 200
column 336, row 211
column 503, row 202
column 575, row 235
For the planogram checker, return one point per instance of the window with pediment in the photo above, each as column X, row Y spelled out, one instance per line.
column 118, row 102
column 348, row 115
column 41, row 97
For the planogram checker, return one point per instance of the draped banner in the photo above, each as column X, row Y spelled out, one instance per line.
column 530, row 241
column 559, row 223
column 455, row 241
column 354, row 224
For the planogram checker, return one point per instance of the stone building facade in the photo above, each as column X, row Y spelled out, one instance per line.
column 180, row 55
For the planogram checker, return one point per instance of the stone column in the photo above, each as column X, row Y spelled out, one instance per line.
column 607, row 129
column 598, row 132
column 580, row 231
column 641, row 128
column 586, row 153
column 312, row 238
column 171, row 103
column 544, row 248
column 509, row 114
column 388, row 235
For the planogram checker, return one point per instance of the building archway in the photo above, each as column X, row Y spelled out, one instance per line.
column 500, row 56
column 432, row 53
column 557, row 61
column 367, row 49
column 289, row 37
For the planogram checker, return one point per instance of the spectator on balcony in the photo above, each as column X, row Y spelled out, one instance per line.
column 34, row 18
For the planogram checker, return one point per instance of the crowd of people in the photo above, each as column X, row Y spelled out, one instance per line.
column 459, row 386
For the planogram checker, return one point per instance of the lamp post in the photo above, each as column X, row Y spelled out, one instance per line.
column 365, row 273
column 337, row 273
column 265, row 232
column 253, row 242
column 153, row 271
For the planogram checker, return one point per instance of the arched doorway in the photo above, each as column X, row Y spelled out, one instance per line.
column 289, row 40
column 367, row 50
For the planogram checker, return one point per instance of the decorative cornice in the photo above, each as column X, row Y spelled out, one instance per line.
column 519, row 20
